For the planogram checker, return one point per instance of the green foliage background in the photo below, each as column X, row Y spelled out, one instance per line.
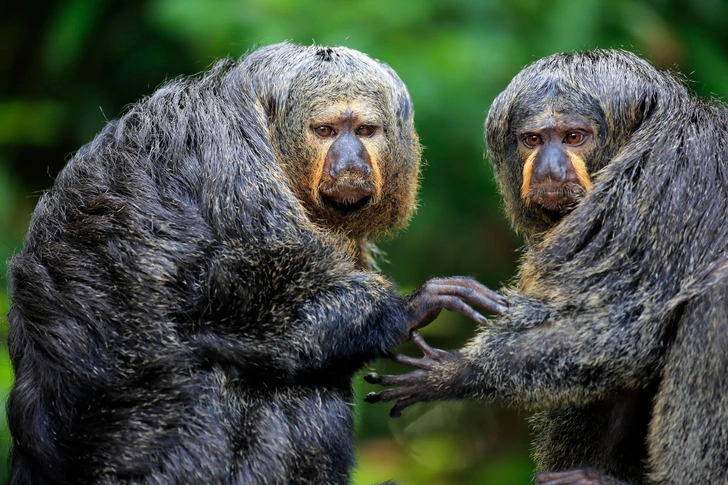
column 67, row 66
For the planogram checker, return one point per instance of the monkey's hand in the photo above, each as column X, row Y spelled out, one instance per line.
column 577, row 476
column 454, row 294
column 421, row 385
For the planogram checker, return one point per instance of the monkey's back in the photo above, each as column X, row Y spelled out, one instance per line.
column 155, row 276
column 619, row 320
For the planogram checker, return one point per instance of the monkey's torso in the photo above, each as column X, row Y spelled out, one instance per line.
column 607, row 435
column 132, row 356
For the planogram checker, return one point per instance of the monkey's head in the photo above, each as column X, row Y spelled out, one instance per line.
column 558, row 123
column 342, row 128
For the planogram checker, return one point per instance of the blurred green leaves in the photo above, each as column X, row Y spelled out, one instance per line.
column 68, row 33
column 30, row 122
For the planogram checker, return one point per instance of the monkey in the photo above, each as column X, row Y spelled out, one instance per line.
column 196, row 290
column 615, row 330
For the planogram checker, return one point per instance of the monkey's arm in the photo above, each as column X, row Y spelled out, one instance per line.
column 307, row 316
column 371, row 320
column 532, row 359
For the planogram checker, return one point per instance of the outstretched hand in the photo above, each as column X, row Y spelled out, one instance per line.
column 416, row 386
column 433, row 372
column 577, row 476
column 454, row 294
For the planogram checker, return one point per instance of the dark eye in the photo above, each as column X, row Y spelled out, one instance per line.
column 365, row 130
column 574, row 138
column 532, row 141
column 324, row 131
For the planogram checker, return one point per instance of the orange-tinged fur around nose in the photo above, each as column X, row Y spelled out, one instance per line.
column 334, row 115
column 577, row 163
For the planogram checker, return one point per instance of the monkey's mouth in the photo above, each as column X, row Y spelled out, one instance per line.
column 556, row 198
column 346, row 197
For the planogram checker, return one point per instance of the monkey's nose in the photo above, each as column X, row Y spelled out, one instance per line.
column 353, row 166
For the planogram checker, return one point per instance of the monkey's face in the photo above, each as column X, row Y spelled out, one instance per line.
column 554, row 148
column 347, row 138
column 558, row 124
column 354, row 173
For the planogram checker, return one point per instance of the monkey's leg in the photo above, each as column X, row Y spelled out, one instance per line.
column 688, row 436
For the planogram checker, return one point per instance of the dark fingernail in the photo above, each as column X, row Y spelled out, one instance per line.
column 371, row 397
column 372, row 378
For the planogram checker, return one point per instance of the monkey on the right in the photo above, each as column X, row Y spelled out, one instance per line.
column 617, row 331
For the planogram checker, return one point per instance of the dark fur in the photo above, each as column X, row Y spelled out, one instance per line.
column 178, row 314
column 624, row 297
column 618, row 330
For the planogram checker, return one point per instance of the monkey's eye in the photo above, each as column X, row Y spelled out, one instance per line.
column 366, row 130
column 532, row 141
column 324, row 131
column 574, row 138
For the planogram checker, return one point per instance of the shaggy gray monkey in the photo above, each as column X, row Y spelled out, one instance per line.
column 194, row 294
column 617, row 331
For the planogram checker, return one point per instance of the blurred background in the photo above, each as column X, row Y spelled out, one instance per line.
column 66, row 67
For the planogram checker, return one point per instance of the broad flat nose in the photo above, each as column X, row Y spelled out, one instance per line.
column 552, row 163
column 348, row 154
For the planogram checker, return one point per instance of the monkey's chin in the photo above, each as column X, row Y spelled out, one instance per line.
column 557, row 200
column 347, row 198
column 554, row 203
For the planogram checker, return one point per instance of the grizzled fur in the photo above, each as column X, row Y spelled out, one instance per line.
column 178, row 314
column 618, row 329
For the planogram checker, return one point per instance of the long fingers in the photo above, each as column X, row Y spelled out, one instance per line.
column 473, row 293
column 393, row 380
column 388, row 395
column 429, row 352
column 402, row 396
column 568, row 477
column 457, row 294
column 412, row 361
column 406, row 402
column 455, row 304
column 414, row 386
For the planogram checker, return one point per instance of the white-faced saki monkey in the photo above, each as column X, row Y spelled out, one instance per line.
column 617, row 331
column 194, row 293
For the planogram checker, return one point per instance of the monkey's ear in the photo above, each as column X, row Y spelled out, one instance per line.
column 404, row 106
column 400, row 96
column 497, row 125
column 640, row 112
